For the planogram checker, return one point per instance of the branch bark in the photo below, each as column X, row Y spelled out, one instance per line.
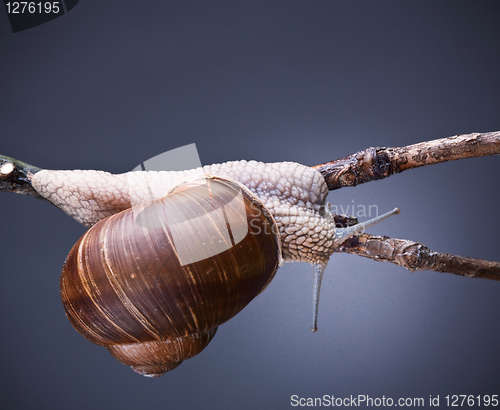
column 416, row 257
column 377, row 163
column 15, row 176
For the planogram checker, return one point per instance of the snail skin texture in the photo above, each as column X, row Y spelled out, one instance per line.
column 122, row 276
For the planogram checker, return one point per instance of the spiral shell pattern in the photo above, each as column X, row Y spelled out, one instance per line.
column 152, row 283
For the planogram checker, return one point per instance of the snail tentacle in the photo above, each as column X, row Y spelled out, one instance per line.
column 341, row 235
column 293, row 194
column 319, row 269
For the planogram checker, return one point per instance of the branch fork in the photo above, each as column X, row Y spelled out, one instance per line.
column 373, row 164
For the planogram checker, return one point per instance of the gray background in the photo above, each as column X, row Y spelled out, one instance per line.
column 113, row 83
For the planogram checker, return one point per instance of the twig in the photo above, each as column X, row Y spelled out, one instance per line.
column 15, row 176
column 378, row 163
column 414, row 256
column 363, row 166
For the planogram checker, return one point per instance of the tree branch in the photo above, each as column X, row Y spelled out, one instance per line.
column 15, row 176
column 377, row 163
column 414, row 256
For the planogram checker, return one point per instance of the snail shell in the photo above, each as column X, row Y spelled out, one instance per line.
column 153, row 283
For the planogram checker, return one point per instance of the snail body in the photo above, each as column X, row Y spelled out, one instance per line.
column 293, row 193
column 127, row 284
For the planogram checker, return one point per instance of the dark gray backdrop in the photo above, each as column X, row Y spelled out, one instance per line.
column 113, row 83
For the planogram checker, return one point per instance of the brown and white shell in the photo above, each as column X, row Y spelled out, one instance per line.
column 153, row 283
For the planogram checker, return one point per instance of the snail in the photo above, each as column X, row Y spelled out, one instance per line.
column 171, row 255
